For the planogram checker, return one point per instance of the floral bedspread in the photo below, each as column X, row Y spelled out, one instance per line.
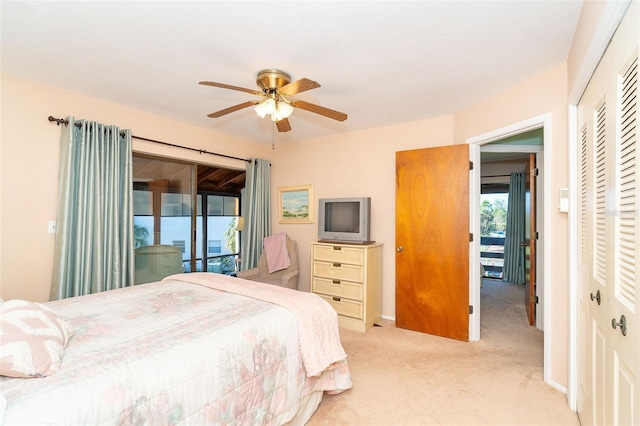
column 168, row 353
column 317, row 321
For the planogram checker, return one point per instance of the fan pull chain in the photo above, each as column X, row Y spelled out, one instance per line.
column 273, row 135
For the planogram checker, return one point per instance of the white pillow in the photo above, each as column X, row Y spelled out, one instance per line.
column 32, row 339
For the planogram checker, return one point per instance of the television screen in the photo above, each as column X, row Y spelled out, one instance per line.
column 342, row 217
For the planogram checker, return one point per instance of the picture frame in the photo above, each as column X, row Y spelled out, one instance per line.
column 295, row 204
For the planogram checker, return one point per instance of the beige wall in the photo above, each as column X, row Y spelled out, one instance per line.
column 360, row 164
column 29, row 170
column 546, row 93
column 356, row 164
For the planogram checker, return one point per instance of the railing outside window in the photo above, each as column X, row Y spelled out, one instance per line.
column 492, row 256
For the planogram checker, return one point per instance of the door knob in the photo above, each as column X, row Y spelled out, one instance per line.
column 622, row 324
column 596, row 297
column 399, row 249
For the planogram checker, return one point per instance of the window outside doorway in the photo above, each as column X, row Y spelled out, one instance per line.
column 493, row 223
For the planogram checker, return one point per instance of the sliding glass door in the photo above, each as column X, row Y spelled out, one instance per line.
column 163, row 217
column 172, row 236
column 219, row 233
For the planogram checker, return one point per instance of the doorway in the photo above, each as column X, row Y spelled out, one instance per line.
column 491, row 142
column 499, row 195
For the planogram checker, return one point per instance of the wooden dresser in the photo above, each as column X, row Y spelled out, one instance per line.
column 349, row 277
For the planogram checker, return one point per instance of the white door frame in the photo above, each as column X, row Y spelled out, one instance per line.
column 475, row 143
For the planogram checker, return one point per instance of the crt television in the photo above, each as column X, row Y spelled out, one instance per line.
column 345, row 220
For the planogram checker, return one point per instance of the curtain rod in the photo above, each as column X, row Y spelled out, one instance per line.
column 60, row 121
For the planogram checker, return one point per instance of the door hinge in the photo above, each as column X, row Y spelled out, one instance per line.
column 470, row 237
column 470, row 165
column 533, row 300
column 470, row 309
column 534, row 172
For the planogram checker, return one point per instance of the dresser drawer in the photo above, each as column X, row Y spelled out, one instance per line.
column 338, row 288
column 340, row 254
column 338, row 271
column 343, row 306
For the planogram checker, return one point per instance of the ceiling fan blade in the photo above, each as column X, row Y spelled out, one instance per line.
column 231, row 109
column 228, row 86
column 283, row 125
column 336, row 115
column 298, row 86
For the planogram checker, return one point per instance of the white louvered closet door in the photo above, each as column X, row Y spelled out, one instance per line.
column 609, row 296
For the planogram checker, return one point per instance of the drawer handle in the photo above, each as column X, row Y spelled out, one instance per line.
column 336, row 299
column 337, row 282
column 336, row 248
column 337, row 265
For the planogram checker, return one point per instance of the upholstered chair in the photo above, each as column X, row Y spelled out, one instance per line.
column 284, row 278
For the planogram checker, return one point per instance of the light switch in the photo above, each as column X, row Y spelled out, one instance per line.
column 52, row 226
column 564, row 200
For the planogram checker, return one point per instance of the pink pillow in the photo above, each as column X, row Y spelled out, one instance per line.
column 32, row 339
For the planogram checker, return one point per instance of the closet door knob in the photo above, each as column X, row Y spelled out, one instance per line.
column 596, row 297
column 622, row 324
column 399, row 249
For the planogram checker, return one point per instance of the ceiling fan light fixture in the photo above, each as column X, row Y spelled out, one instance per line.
column 283, row 110
column 277, row 110
column 268, row 106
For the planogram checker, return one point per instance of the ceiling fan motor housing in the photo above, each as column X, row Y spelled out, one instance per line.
column 272, row 79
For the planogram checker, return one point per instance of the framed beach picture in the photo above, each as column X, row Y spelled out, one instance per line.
column 295, row 204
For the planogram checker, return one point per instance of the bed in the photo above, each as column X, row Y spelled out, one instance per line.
column 196, row 348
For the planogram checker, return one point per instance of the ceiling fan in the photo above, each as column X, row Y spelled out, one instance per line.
column 276, row 89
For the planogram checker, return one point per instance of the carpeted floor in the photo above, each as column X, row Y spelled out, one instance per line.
column 402, row 377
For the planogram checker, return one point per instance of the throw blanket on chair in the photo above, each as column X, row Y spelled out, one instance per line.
column 275, row 251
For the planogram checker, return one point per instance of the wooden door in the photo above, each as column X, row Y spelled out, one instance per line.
column 609, row 352
column 530, row 244
column 432, row 241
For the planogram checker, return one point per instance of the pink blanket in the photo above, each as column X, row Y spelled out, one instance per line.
column 275, row 250
column 317, row 321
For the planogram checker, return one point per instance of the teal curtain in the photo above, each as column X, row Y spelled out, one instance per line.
column 513, row 270
column 256, row 209
column 94, row 248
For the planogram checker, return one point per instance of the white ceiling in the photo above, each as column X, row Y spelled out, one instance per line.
column 382, row 63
